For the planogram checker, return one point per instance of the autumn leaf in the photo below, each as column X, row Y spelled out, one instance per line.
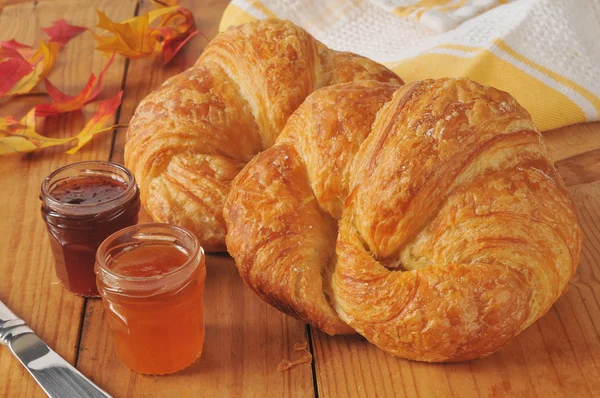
column 162, row 12
column 62, row 103
column 23, row 67
column 21, row 137
column 12, row 70
column 135, row 38
column 13, row 65
column 165, row 3
column 130, row 39
column 95, row 125
column 61, row 31
column 12, row 48
column 176, row 29
column 13, row 79
column 12, row 43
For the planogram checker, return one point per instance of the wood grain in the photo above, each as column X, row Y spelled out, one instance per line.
column 574, row 140
column 580, row 169
column 28, row 283
column 557, row 356
column 245, row 338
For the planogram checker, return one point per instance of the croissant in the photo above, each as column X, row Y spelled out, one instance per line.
column 429, row 218
column 191, row 137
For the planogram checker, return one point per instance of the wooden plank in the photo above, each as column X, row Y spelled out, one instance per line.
column 4, row 3
column 580, row 169
column 574, row 140
column 27, row 280
column 245, row 338
column 559, row 355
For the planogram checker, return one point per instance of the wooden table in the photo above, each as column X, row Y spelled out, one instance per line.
column 245, row 339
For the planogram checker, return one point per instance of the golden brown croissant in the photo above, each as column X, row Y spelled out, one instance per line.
column 188, row 139
column 427, row 217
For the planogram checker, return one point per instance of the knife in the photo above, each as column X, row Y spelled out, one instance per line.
column 55, row 375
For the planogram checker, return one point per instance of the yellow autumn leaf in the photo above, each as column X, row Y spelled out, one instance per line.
column 130, row 38
column 21, row 137
column 15, row 144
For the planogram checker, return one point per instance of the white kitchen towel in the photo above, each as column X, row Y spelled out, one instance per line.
column 546, row 53
column 438, row 15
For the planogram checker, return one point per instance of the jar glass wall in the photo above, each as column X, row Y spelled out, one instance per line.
column 151, row 279
column 82, row 204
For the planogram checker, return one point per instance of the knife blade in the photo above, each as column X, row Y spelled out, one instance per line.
column 55, row 375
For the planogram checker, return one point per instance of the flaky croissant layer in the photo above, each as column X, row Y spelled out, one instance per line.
column 427, row 217
column 190, row 137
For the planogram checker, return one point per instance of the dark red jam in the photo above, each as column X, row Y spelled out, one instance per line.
column 88, row 190
column 82, row 204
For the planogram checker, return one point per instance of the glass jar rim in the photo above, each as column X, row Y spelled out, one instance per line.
column 108, row 204
column 195, row 256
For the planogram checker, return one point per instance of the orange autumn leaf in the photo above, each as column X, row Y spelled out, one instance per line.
column 62, row 103
column 106, row 110
column 61, row 31
column 135, row 38
column 165, row 3
column 130, row 38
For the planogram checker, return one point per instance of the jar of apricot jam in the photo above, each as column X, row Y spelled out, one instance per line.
column 83, row 203
column 151, row 279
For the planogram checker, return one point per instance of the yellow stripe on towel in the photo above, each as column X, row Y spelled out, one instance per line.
column 421, row 6
column 553, row 75
column 454, row 6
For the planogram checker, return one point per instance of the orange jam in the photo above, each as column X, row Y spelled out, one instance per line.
column 151, row 279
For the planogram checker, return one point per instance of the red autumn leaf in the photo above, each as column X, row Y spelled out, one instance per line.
column 172, row 47
column 13, row 64
column 13, row 70
column 62, row 103
column 15, row 45
column 61, row 32
column 175, row 30
column 12, row 48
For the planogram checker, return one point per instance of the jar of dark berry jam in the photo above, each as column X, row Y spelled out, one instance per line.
column 83, row 203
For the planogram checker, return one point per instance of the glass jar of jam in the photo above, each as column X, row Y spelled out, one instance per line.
column 82, row 204
column 151, row 279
